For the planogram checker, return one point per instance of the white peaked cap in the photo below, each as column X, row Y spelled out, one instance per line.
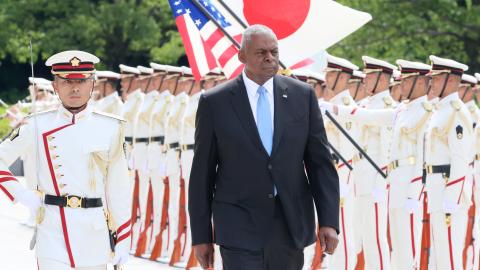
column 340, row 63
column 145, row 70
column 469, row 79
column 374, row 63
column 128, row 69
column 157, row 67
column 454, row 66
column 107, row 74
column 67, row 56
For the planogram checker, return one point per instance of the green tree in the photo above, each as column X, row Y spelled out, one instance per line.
column 415, row 29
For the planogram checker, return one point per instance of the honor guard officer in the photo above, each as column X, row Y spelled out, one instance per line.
column 396, row 86
column 447, row 152
column 109, row 101
column 409, row 122
column 83, row 197
column 355, row 85
column 337, row 75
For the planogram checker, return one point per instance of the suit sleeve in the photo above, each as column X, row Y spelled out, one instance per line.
column 321, row 173
column 118, row 189
column 21, row 140
column 202, row 176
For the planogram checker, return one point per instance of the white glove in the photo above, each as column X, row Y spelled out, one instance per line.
column 379, row 194
column 450, row 207
column 344, row 190
column 31, row 200
column 325, row 106
column 411, row 205
column 121, row 253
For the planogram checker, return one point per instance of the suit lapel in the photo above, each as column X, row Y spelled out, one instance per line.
column 242, row 108
column 280, row 100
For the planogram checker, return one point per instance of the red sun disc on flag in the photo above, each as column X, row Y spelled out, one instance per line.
column 284, row 17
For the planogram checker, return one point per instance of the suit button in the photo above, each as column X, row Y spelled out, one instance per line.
column 270, row 196
column 270, row 166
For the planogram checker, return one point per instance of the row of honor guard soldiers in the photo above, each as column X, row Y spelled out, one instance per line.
column 418, row 124
column 159, row 105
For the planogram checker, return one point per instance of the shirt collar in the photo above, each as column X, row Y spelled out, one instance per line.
column 74, row 118
column 252, row 86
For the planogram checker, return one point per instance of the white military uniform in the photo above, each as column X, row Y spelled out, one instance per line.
column 448, row 142
column 156, row 165
column 371, row 188
column 81, row 155
column 130, row 112
column 173, row 173
column 110, row 104
column 346, row 255
column 476, row 181
column 140, row 156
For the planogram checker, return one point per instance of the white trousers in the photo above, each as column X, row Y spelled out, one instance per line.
column 49, row 264
column 372, row 230
column 406, row 236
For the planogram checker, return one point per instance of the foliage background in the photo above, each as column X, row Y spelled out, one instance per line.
column 135, row 32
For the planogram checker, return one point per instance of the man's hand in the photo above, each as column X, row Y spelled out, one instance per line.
column 204, row 255
column 328, row 239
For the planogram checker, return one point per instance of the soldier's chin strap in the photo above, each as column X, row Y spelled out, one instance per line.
column 356, row 90
column 148, row 84
column 376, row 82
column 465, row 93
column 161, row 82
column 413, row 87
column 336, row 81
column 444, row 85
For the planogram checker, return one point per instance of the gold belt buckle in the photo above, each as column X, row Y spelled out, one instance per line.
column 429, row 169
column 183, row 147
column 74, row 202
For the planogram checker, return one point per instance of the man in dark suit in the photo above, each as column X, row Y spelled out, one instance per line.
column 260, row 157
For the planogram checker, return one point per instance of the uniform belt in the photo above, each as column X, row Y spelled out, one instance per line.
column 141, row 140
column 185, row 147
column 160, row 139
column 443, row 169
column 73, row 201
column 401, row 162
column 129, row 139
column 174, row 146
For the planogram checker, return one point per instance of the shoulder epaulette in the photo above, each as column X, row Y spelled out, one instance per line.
column 456, row 104
column 346, row 101
column 388, row 100
column 110, row 115
column 427, row 106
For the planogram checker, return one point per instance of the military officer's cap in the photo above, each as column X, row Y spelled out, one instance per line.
column 376, row 65
column 443, row 65
column 158, row 67
column 128, row 70
column 73, row 64
column 469, row 80
column 41, row 84
column 477, row 75
column 301, row 74
column 396, row 77
column 340, row 64
column 410, row 68
column 357, row 76
column 317, row 76
column 109, row 75
column 145, row 70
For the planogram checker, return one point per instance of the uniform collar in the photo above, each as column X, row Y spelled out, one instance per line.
column 74, row 118
column 135, row 94
column 152, row 94
column 343, row 98
column 379, row 96
column 111, row 96
column 471, row 105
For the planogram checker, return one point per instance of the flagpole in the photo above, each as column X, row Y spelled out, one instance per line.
column 235, row 16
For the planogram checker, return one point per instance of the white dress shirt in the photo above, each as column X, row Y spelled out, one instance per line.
column 252, row 94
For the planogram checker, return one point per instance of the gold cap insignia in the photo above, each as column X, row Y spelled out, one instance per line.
column 75, row 62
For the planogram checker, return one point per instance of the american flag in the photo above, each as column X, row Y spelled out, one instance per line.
column 199, row 56
column 224, row 51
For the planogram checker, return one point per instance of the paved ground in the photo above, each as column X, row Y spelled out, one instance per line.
column 15, row 240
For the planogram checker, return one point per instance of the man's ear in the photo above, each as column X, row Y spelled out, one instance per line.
column 241, row 56
column 54, row 85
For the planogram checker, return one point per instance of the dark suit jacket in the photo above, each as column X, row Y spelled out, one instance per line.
column 232, row 176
